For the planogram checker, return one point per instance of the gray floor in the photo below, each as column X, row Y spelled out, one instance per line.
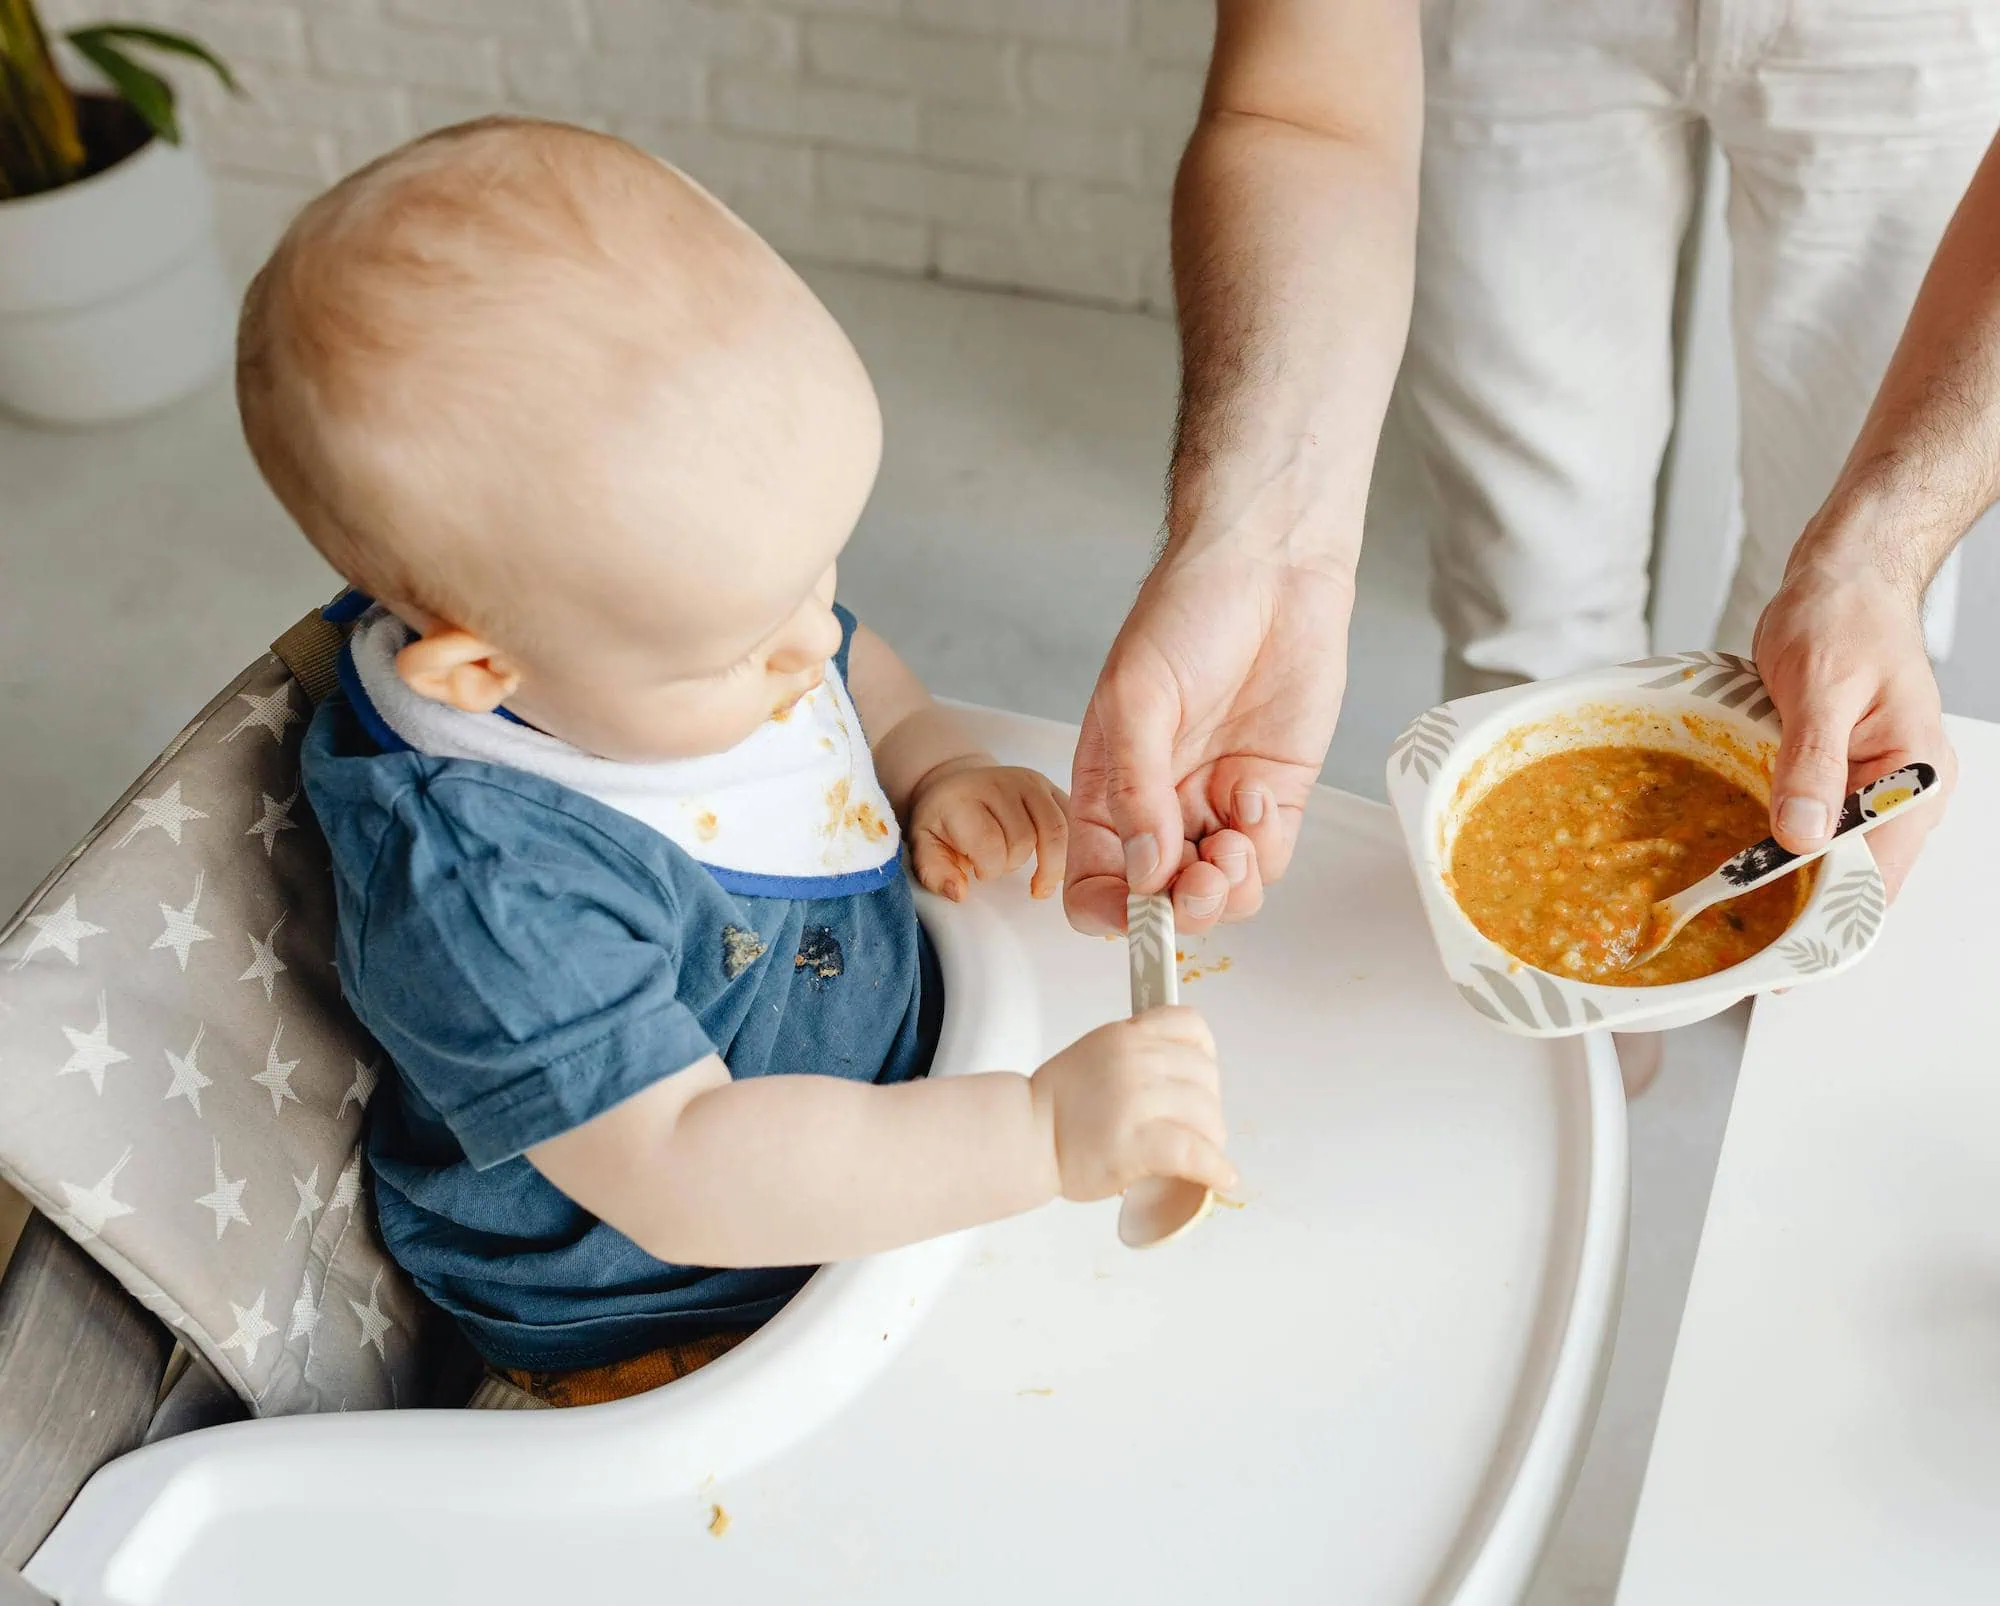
column 1017, row 506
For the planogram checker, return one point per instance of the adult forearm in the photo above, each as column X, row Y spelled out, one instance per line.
column 1292, row 266
column 796, row 1170
column 1927, row 461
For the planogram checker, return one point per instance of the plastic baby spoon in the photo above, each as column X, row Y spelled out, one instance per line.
column 1765, row 861
column 1160, row 1208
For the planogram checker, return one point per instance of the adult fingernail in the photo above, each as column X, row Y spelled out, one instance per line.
column 1235, row 866
column 1202, row 908
column 1249, row 801
column 1803, row 818
column 1142, row 858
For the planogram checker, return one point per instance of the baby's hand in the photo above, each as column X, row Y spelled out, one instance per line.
column 1135, row 1099
column 974, row 820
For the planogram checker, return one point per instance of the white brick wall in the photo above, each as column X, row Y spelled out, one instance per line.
column 1021, row 143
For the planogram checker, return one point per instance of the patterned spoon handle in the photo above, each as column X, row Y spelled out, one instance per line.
column 1150, row 940
column 1158, row 1208
column 1863, row 811
column 1766, row 861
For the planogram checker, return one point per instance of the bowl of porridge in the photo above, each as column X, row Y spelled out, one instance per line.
column 1543, row 821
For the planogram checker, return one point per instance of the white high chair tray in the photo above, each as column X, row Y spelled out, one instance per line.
column 1371, row 1383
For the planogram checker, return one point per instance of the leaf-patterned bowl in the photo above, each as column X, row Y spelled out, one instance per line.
column 1707, row 705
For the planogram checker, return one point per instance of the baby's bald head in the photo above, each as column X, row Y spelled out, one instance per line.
column 526, row 379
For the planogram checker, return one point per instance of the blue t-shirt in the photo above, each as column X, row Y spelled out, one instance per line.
column 531, row 957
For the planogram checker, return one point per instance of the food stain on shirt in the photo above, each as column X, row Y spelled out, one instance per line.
column 718, row 1521
column 819, row 952
column 707, row 826
column 740, row 950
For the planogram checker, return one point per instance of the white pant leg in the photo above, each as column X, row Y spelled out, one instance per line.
column 1538, row 383
column 1851, row 128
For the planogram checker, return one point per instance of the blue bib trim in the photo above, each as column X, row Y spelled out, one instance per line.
column 746, row 884
column 350, row 605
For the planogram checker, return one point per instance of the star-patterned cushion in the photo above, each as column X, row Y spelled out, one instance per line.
column 181, row 1086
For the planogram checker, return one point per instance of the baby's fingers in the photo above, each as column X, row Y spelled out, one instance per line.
column 1178, row 1024
column 1168, row 1150
column 939, row 866
column 1045, row 807
column 1191, row 1104
column 979, row 835
column 1009, row 806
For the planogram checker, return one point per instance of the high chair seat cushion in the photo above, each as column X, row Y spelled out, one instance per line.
column 181, row 1086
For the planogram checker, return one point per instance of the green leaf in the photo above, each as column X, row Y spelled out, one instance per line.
column 177, row 44
column 150, row 95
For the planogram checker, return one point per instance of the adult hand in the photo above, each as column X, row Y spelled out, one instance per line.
column 1204, row 737
column 1841, row 650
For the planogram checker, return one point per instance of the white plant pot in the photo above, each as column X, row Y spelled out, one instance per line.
column 113, row 297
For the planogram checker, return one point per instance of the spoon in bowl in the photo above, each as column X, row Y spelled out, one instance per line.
column 1763, row 862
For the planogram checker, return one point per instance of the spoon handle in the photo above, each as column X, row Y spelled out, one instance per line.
column 1863, row 811
column 1151, row 945
column 1158, row 1208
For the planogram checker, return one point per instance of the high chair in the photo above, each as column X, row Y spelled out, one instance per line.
column 1368, row 1380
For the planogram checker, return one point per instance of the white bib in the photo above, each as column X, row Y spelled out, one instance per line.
column 792, row 811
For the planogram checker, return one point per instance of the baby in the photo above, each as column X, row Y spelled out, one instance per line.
column 620, row 883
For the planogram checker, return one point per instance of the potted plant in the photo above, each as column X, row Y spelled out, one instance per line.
column 113, row 299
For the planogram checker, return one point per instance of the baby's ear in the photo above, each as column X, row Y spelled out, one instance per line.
column 460, row 670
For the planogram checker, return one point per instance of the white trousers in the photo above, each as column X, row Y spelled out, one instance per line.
column 1559, row 176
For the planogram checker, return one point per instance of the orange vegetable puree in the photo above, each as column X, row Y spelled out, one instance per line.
column 1560, row 864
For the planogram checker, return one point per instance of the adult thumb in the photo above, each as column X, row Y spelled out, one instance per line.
column 1139, row 729
column 1809, row 782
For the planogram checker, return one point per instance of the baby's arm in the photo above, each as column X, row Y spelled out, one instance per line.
column 966, row 815
column 796, row 1170
column 912, row 738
